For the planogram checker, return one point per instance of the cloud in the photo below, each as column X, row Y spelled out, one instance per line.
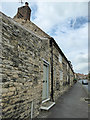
column 47, row 0
column 75, row 39
column 74, row 44
column 57, row 24
column 82, row 58
column 0, row 7
column 61, row 20
column 82, row 68
column 50, row 14
column 82, row 62
column 55, row 19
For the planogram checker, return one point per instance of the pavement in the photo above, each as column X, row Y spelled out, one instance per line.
column 70, row 105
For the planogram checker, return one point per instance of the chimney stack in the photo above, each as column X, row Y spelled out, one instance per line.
column 24, row 12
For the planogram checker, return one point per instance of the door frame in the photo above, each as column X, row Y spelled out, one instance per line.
column 48, row 94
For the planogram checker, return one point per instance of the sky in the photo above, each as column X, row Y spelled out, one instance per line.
column 66, row 22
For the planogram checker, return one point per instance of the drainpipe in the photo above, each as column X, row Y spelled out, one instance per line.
column 32, row 110
column 51, row 45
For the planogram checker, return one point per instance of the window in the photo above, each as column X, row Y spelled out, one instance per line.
column 67, row 78
column 60, row 58
column 61, row 75
column 67, row 66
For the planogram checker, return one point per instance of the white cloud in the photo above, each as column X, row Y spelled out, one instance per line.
column 75, row 38
column 82, row 68
column 0, row 6
column 55, row 14
column 50, row 14
column 47, row 0
column 74, row 43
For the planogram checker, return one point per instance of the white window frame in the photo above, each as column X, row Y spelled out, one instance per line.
column 60, row 58
column 67, row 78
column 67, row 66
column 61, row 75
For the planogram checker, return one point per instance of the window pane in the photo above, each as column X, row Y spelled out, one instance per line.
column 61, row 75
column 60, row 58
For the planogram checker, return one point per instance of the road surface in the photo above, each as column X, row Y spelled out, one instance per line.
column 71, row 105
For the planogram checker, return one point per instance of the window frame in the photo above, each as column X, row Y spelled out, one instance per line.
column 61, row 75
column 60, row 58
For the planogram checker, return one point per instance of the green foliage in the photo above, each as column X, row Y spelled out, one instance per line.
column 75, row 79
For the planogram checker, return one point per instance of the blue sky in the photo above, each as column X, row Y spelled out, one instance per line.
column 66, row 22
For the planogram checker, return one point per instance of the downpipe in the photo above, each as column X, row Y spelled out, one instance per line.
column 32, row 110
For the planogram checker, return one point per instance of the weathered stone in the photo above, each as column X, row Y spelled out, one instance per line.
column 24, row 13
column 6, row 85
column 12, row 89
column 23, row 54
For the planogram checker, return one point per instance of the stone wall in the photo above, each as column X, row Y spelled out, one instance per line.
column 71, row 77
column 32, row 27
column 59, row 86
column 56, row 69
column 24, row 46
column 0, row 65
column 68, row 75
column 64, row 63
column 65, row 74
column 22, row 70
column 57, row 66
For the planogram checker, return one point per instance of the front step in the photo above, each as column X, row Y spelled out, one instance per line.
column 47, row 105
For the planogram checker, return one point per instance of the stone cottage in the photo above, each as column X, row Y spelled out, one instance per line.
column 34, row 71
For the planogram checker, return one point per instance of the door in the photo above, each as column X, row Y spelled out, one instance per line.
column 45, row 92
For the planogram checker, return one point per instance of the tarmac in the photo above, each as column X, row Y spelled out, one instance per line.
column 70, row 105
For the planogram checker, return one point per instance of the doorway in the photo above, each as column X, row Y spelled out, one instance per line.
column 45, row 91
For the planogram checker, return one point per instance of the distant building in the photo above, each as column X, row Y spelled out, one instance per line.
column 81, row 76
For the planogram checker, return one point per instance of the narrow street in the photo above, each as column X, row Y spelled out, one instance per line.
column 70, row 105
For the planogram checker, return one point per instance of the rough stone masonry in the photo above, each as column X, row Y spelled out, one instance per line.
column 24, row 46
column 22, row 70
